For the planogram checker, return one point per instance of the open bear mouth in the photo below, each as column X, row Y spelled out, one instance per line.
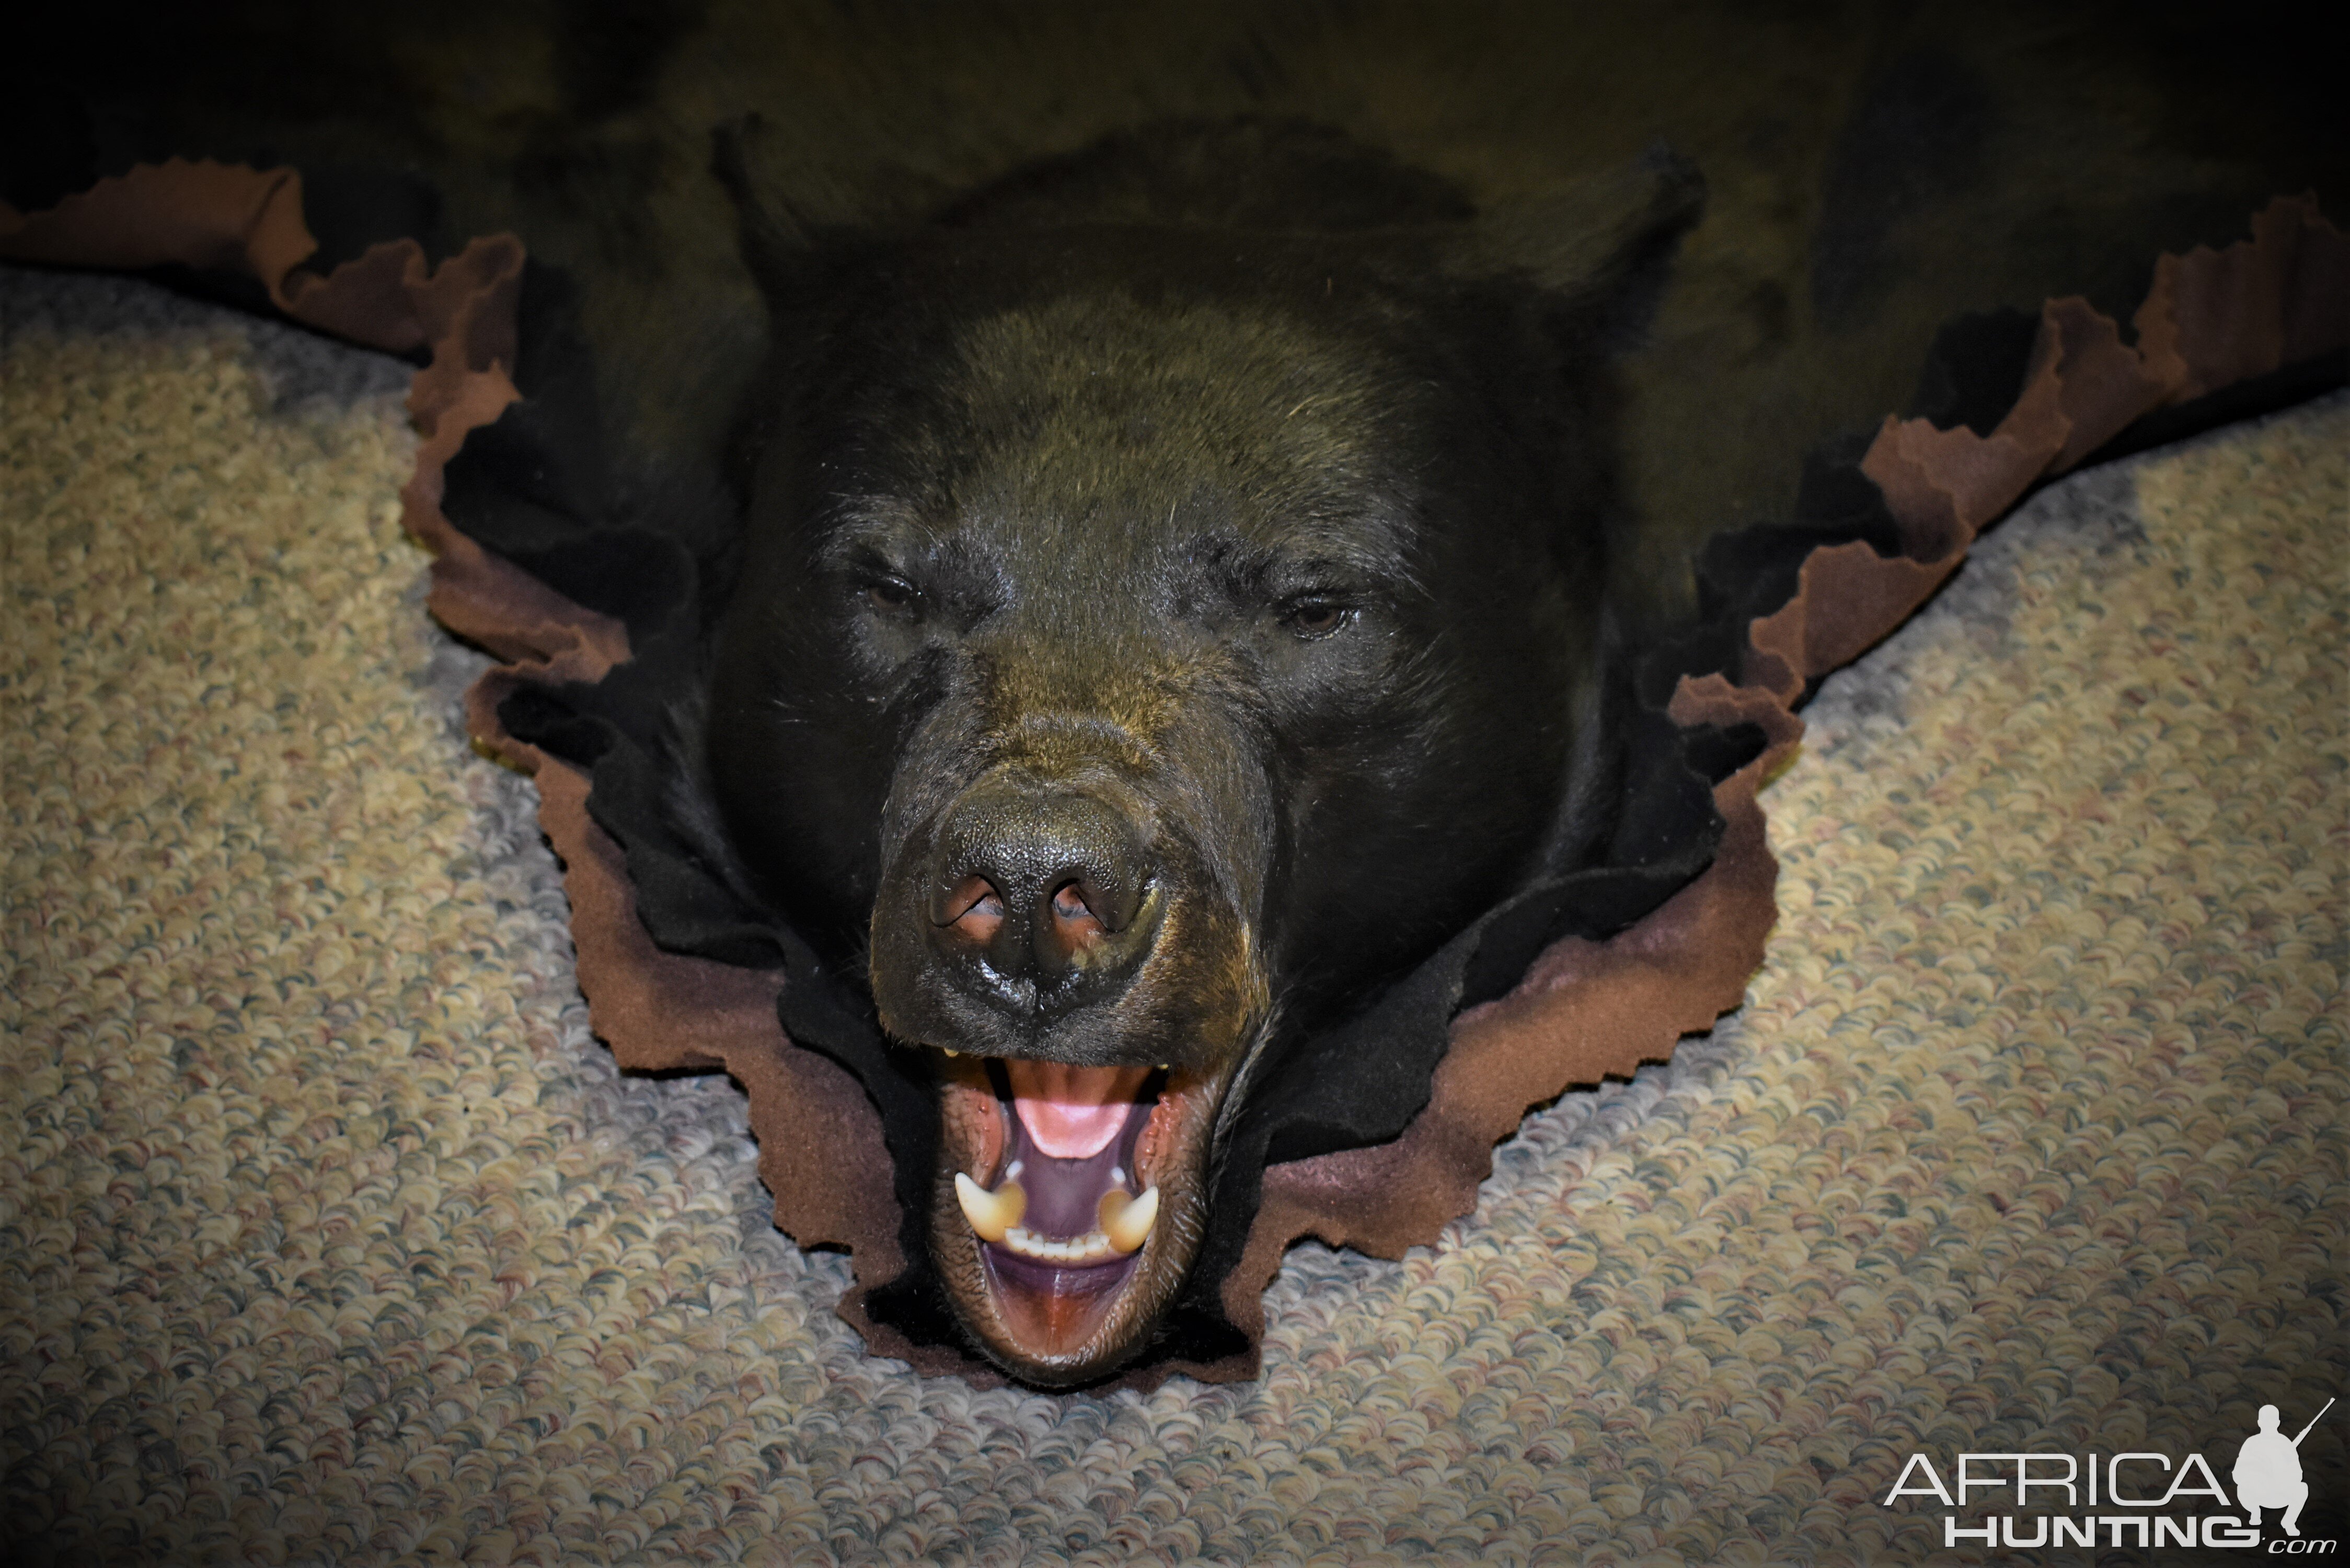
column 1062, row 1230
column 1070, row 1203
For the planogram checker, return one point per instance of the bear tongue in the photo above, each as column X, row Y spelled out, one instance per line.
column 1072, row 1113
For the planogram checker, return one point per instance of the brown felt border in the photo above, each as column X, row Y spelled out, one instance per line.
column 1584, row 1011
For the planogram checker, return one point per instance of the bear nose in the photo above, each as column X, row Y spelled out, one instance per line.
column 1052, row 887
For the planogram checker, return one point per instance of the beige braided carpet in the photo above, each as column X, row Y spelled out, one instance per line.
column 328, row 1234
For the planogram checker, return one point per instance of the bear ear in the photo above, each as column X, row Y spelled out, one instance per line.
column 1602, row 249
column 796, row 218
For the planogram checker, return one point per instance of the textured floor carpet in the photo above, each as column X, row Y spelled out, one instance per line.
column 328, row 1235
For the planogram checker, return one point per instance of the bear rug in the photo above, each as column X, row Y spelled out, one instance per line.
column 329, row 1234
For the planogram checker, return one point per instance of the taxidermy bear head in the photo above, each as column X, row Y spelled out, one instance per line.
column 1170, row 607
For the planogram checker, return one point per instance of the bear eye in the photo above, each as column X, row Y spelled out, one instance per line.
column 893, row 596
column 1316, row 616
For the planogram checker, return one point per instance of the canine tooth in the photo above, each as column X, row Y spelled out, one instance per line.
column 1127, row 1223
column 1013, row 1173
column 992, row 1215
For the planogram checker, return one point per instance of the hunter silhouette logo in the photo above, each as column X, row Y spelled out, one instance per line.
column 2268, row 1471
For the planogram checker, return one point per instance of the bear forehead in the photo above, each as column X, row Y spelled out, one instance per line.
column 1113, row 421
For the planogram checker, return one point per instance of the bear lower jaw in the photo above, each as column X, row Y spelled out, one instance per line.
column 1063, row 1299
